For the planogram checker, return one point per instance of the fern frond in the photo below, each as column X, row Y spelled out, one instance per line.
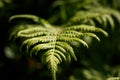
column 67, row 39
column 32, row 32
column 104, row 16
column 54, row 44
column 60, row 50
column 116, row 15
column 28, row 16
column 33, row 41
column 15, row 30
column 35, row 18
column 74, row 34
column 86, row 28
column 82, row 17
column 92, row 35
column 85, row 15
column 52, row 61
column 109, row 19
column 68, row 48
column 39, row 47
column 108, row 15
column 52, row 64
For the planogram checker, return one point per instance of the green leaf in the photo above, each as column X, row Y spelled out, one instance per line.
column 68, row 48
column 39, row 47
column 28, row 16
column 32, row 32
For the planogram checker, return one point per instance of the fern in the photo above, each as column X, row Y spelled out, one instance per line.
column 33, row 17
column 104, row 16
column 54, row 40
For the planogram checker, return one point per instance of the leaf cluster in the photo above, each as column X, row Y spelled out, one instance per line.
column 96, row 16
column 52, row 43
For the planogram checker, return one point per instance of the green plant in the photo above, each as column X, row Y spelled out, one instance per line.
column 75, row 12
column 104, row 17
column 51, row 43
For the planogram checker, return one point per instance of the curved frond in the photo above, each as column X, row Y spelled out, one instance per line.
column 67, row 39
column 32, row 32
column 74, row 34
column 54, row 44
column 28, row 16
column 92, row 35
column 33, row 41
column 104, row 16
column 39, row 47
column 116, row 15
column 68, row 48
column 107, row 19
column 52, row 61
column 87, row 28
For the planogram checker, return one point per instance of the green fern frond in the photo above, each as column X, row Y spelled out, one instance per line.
column 68, row 49
column 86, row 28
column 92, row 35
column 83, row 17
column 104, row 16
column 35, row 18
column 28, row 16
column 109, row 19
column 33, row 41
column 67, row 39
column 52, row 61
column 54, row 44
column 32, row 32
column 108, row 15
column 75, row 34
column 116, row 15
column 39, row 47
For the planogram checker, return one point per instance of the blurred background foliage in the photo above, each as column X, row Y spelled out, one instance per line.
column 100, row 61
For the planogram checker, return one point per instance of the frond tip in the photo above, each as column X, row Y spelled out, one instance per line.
column 27, row 16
